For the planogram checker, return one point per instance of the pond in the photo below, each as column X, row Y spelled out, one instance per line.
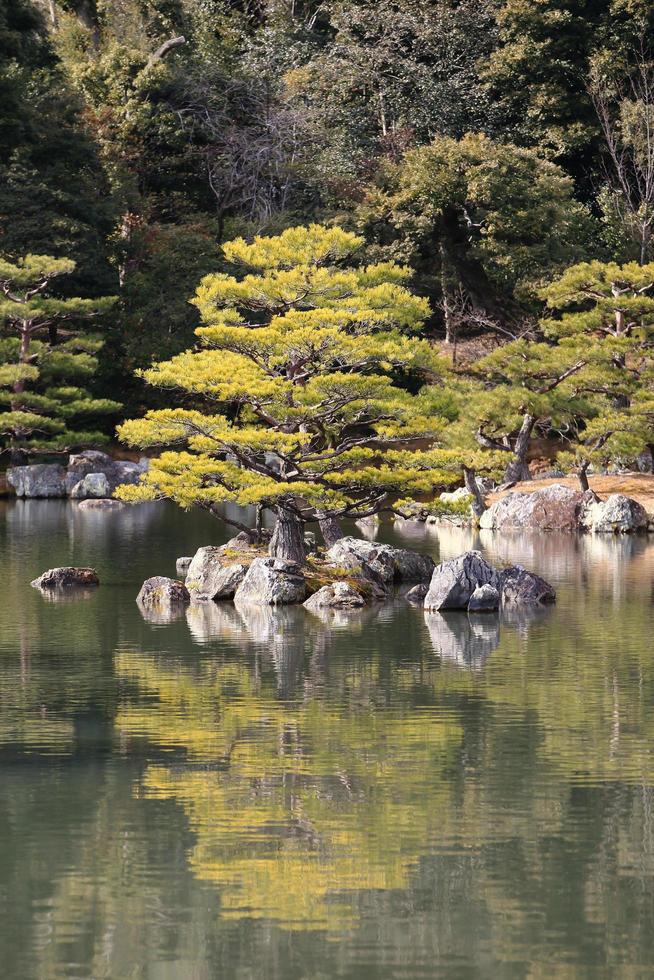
column 269, row 794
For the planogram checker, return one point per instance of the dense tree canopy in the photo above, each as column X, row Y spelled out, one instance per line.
column 299, row 369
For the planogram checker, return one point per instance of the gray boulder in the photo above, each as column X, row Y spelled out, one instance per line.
column 182, row 565
column 485, row 598
column 92, row 461
column 615, row 515
column 554, row 508
column 92, row 485
column 65, row 577
column 392, row 564
column 272, row 582
column 519, row 587
column 416, row 595
column 211, row 576
column 350, row 552
column 160, row 592
column 338, row 595
column 454, row 581
column 38, row 480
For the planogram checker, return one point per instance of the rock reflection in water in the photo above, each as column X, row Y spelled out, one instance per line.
column 72, row 593
column 463, row 639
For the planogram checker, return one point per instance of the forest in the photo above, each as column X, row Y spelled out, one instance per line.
column 482, row 170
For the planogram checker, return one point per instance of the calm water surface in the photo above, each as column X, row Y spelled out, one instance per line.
column 270, row 795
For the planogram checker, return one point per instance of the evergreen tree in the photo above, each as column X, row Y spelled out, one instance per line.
column 293, row 404
column 479, row 220
column 53, row 195
column 44, row 366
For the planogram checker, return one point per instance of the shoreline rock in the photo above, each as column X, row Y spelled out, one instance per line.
column 554, row 508
column 617, row 514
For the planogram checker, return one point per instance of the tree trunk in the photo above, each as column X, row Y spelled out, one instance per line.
column 517, row 469
column 330, row 528
column 470, row 480
column 583, row 477
column 288, row 537
column 448, row 319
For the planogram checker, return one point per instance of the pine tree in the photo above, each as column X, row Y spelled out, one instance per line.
column 44, row 365
column 606, row 311
column 293, row 401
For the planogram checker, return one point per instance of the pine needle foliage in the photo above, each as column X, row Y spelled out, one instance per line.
column 292, row 401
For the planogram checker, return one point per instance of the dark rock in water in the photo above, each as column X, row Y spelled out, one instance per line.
column 160, row 592
column 454, row 581
column 417, row 594
column 485, row 598
column 210, row 576
column 58, row 578
column 554, row 508
column 519, row 587
column 38, row 480
column 100, row 503
column 615, row 515
column 338, row 595
column 272, row 582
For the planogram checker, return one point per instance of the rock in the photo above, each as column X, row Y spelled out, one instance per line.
column 182, row 565
column 417, row 594
column 240, row 542
column 272, row 582
column 519, row 587
column 38, row 480
column 92, row 461
column 338, row 595
column 391, row 564
column 92, row 485
column 58, row 578
column 160, row 593
column 454, row 581
column 377, row 556
column 101, row 503
column 211, row 576
column 411, row 566
column 615, row 515
column 465, row 641
column 454, row 496
column 485, row 598
column 554, row 508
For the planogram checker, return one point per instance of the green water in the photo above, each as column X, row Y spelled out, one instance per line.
column 384, row 794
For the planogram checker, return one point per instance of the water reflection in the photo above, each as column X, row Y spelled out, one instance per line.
column 240, row 793
column 462, row 639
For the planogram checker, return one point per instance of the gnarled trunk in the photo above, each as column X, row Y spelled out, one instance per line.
column 330, row 528
column 517, row 469
column 470, row 480
column 288, row 537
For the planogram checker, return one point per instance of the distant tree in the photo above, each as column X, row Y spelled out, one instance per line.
column 624, row 102
column 293, row 401
column 477, row 219
column 44, row 366
column 53, row 191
